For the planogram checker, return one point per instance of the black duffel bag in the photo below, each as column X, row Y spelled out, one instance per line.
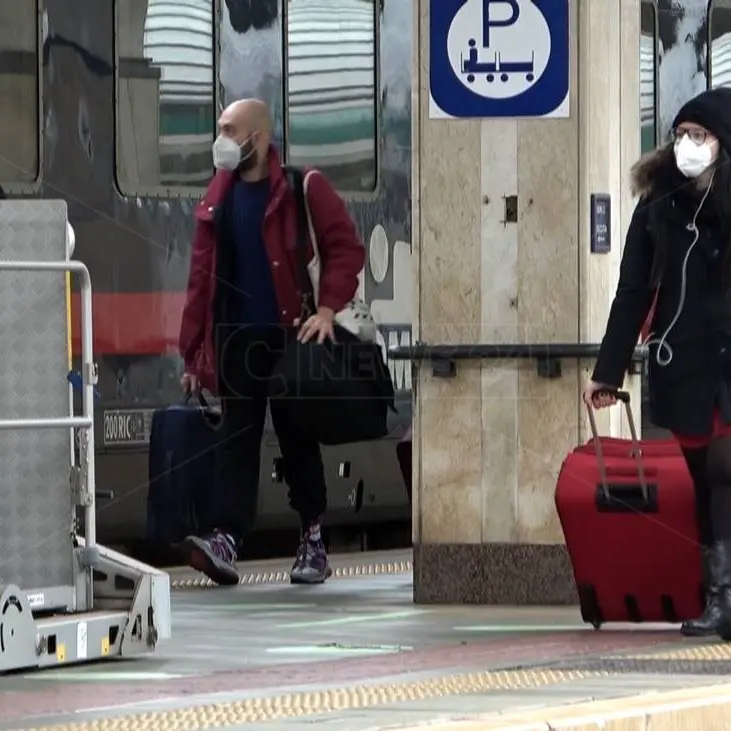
column 341, row 392
column 338, row 391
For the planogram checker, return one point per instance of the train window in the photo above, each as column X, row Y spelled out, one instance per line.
column 250, row 56
column 19, row 93
column 719, row 55
column 165, row 101
column 648, row 76
column 332, row 90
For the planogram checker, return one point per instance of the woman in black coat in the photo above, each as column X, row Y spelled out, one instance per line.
column 678, row 247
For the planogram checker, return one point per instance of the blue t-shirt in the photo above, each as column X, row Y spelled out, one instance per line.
column 254, row 297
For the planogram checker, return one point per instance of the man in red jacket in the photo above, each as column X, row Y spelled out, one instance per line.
column 243, row 307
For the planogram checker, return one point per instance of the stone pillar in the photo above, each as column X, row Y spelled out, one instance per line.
column 488, row 443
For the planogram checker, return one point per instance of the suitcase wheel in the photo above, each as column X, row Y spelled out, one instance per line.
column 589, row 605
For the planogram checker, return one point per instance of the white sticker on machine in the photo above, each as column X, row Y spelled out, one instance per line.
column 81, row 641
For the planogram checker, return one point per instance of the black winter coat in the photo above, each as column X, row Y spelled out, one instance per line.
column 684, row 393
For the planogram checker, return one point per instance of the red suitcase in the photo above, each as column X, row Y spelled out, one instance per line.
column 630, row 530
column 613, row 447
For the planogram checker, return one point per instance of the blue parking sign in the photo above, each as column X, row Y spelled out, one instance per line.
column 499, row 58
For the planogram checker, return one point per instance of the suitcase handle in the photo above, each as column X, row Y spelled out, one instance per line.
column 623, row 397
column 212, row 417
column 201, row 399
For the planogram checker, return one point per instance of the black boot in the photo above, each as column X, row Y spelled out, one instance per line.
column 707, row 624
column 722, row 579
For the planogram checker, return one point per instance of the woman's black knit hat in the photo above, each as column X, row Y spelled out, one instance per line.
column 712, row 110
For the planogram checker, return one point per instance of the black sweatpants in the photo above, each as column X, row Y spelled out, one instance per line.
column 247, row 357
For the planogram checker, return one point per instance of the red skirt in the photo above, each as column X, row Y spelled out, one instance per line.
column 719, row 429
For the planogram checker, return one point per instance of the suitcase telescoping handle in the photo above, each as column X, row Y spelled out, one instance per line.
column 622, row 396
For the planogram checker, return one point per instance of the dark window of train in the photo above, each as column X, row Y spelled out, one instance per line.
column 648, row 76
column 250, row 56
column 332, row 90
column 166, row 110
column 19, row 97
column 719, row 54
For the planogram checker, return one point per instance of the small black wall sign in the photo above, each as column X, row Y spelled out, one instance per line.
column 601, row 223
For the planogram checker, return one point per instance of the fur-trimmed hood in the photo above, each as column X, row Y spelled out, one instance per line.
column 669, row 202
column 649, row 168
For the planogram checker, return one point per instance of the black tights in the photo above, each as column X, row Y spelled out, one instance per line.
column 710, row 468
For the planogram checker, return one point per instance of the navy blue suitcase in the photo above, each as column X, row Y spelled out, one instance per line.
column 182, row 463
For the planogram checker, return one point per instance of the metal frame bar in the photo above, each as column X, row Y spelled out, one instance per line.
column 69, row 422
column 70, row 247
column 88, row 371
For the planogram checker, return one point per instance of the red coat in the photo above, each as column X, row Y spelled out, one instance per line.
column 342, row 256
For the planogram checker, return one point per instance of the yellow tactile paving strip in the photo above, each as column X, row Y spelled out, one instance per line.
column 293, row 705
column 705, row 652
column 676, row 710
column 281, row 575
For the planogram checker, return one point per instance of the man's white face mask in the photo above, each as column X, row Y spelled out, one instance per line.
column 229, row 155
column 692, row 159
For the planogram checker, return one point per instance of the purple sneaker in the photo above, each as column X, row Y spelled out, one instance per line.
column 214, row 556
column 311, row 566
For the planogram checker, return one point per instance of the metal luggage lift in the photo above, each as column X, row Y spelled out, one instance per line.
column 63, row 598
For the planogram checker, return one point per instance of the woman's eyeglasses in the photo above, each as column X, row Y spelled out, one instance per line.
column 696, row 135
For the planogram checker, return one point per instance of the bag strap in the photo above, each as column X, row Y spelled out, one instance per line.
column 297, row 183
column 310, row 224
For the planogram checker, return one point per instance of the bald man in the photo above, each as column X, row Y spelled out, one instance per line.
column 243, row 307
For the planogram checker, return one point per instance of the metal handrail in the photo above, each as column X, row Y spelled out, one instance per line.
column 501, row 351
column 86, row 421
column 444, row 358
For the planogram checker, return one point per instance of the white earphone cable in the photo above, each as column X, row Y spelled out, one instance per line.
column 664, row 354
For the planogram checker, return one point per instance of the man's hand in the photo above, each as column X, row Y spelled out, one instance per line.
column 189, row 383
column 319, row 325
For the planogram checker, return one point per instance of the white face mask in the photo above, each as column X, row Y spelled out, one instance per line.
column 692, row 160
column 227, row 153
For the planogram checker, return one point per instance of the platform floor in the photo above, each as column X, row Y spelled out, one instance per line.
column 355, row 654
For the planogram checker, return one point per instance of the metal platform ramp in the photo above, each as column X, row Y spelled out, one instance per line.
column 63, row 598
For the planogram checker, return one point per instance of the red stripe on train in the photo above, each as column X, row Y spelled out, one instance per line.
column 131, row 323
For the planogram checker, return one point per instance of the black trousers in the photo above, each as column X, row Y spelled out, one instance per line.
column 710, row 468
column 247, row 357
